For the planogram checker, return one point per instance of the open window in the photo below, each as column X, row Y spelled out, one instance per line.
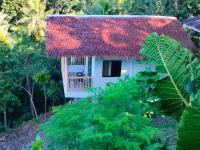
column 111, row 68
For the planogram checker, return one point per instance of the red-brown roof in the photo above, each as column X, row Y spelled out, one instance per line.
column 107, row 36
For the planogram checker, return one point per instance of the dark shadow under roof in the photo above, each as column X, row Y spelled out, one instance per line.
column 193, row 23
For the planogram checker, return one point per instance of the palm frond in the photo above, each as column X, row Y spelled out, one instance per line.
column 34, row 18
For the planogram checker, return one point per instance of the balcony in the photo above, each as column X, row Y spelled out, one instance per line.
column 77, row 78
column 78, row 83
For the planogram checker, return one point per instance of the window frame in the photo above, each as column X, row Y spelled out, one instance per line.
column 110, row 69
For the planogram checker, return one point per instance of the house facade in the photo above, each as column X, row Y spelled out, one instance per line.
column 97, row 50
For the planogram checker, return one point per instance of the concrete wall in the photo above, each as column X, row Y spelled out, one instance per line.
column 129, row 67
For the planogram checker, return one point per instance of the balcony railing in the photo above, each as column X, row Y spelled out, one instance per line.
column 79, row 84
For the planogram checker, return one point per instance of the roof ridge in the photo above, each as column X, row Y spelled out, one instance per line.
column 112, row 16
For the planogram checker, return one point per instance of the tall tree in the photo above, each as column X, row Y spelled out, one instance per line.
column 136, row 7
column 187, row 8
column 43, row 78
column 8, row 99
column 5, row 36
column 66, row 7
column 26, row 59
column 13, row 8
column 34, row 16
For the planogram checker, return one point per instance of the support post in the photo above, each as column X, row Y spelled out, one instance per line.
column 86, row 66
column 66, row 73
column 93, row 71
column 64, row 70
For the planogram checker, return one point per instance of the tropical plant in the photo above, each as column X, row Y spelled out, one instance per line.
column 187, row 8
column 188, row 137
column 164, row 52
column 178, row 87
column 5, row 36
column 54, row 92
column 67, row 7
column 8, row 99
column 13, row 8
column 43, row 78
column 124, row 7
column 34, row 16
column 22, row 65
column 115, row 120
column 17, row 68
column 109, row 7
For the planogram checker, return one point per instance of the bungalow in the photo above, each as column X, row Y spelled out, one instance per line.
column 96, row 49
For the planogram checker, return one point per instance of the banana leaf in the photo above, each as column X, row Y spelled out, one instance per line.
column 170, row 58
column 189, row 129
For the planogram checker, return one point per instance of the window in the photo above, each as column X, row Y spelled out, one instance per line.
column 111, row 68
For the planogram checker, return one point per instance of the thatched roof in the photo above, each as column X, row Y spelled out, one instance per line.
column 107, row 36
column 193, row 23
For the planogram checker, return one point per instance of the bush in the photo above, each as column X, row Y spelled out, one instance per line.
column 115, row 120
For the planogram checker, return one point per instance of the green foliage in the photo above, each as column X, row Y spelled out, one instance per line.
column 37, row 145
column 164, row 52
column 182, row 9
column 67, row 7
column 21, row 57
column 19, row 65
column 23, row 118
column 34, row 16
column 42, row 77
column 142, row 7
column 2, row 128
column 179, row 86
column 114, row 120
column 54, row 91
column 8, row 99
column 189, row 127
column 13, row 8
column 5, row 36
column 188, row 8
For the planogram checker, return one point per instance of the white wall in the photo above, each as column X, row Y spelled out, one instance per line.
column 129, row 67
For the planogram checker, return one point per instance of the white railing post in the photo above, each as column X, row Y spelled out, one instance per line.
column 66, row 73
column 86, row 66
column 79, row 83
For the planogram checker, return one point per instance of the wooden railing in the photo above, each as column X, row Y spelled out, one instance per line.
column 79, row 84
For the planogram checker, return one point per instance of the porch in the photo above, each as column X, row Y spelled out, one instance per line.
column 77, row 75
column 78, row 84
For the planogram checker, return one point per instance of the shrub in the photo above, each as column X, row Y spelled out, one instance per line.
column 115, row 120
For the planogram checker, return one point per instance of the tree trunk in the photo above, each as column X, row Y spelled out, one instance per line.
column 30, row 92
column 33, row 107
column 176, row 2
column 45, row 102
column 5, row 117
column 32, row 110
column 53, row 102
